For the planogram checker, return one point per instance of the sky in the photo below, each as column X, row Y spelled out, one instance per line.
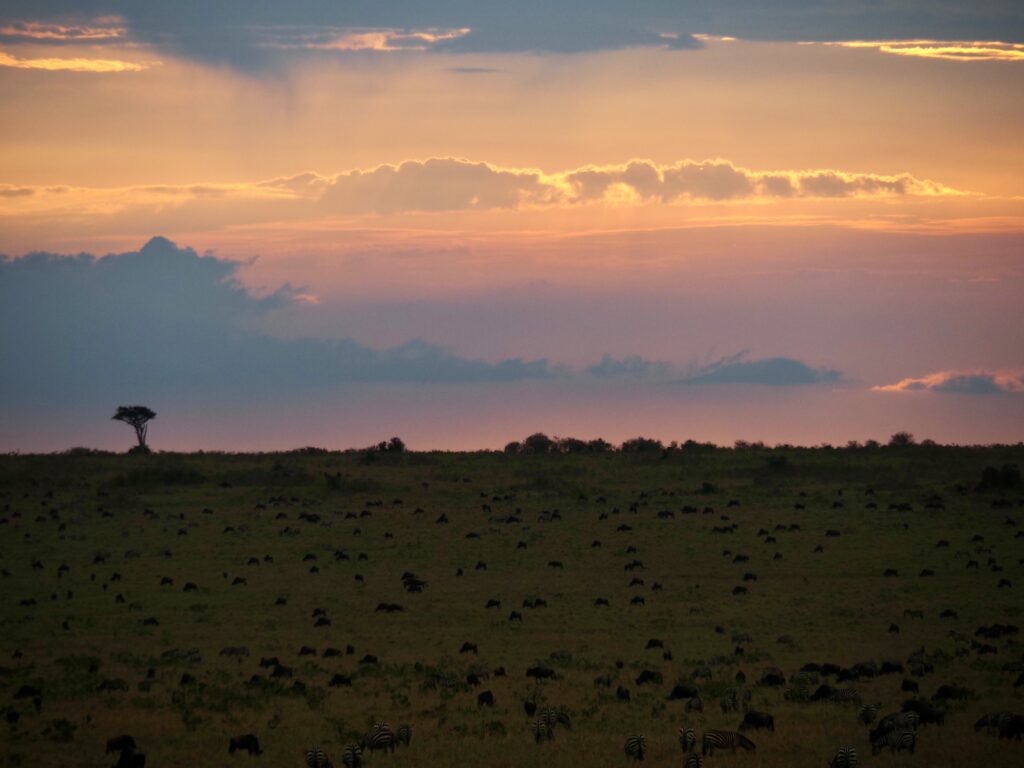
column 316, row 223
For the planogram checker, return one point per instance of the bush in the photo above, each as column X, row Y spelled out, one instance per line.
column 901, row 440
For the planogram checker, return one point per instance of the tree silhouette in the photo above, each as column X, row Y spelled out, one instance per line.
column 137, row 416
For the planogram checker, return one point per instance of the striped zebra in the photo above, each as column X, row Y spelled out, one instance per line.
column 554, row 717
column 896, row 741
column 693, row 760
column 846, row 757
column 842, row 695
column 541, row 731
column 867, row 714
column 636, row 747
column 404, row 735
column 728, row 703
column 317, row 758
column 900, row 721
column 381, row 736
column 725, row 740
column 687, row 739
column 352, row 756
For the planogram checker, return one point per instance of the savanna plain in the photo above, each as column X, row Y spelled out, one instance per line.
column 140, row 594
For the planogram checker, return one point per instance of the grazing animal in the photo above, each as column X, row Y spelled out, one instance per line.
column 403, row 735
column 754, row 720
column 120, row 744
column 352, row 756
column 694, row 760
column 994, row 720
column 867, row 714
column 846, row 757
column 381, row 736
column 1012, row 728
column 730, row 740
column 317, row 758
column 485, row 699
column 896, row 741
column 687, row 739
column 248, row 742
column 636, row 747
column 541, row 731
column 694, row 705
column 131, row 759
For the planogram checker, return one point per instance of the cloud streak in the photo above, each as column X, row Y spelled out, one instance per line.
column 77, row 64
column 946, row 50
column 771, row 372
column 960, row 382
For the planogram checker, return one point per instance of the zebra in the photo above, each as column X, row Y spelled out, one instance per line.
column 693, row 760
column 728, row 703
column 896, row 741
column 694, row 705
column 404, row 735
column 687, row 739
column 381, row 736
column 542, row 731
column 846, row 757
column 636, row 747
column 352, row 756
column 553, row 717
column 867, row 714
column 317, row 758
column 844, row 694
column 725, row 740
column 900, row 721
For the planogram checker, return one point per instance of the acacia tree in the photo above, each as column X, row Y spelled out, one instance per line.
column 138, row 417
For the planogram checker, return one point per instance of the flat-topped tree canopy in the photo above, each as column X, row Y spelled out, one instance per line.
column 138, row 416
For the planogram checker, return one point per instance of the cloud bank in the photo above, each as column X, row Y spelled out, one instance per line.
column 454, row 184
column 772, row 372
column 961, row 382
column 167, row 321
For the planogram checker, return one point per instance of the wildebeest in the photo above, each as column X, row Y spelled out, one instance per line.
column 753, row 720
column 248, row 742
column 121, row 743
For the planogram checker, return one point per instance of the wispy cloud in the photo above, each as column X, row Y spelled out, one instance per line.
column 962, row 382
column 71, row 64
column 100, row 29
column 948, row 50
column 382, row 40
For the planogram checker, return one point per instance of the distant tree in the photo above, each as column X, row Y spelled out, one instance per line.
column 599, row 445
column 641, row 445
column 513, row 448
column 138, row 417
column 871, row 444
column 538, row 443
column 901, row 440
column 571, row 445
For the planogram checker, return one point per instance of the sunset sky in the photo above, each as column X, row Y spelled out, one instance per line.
column 462, row 221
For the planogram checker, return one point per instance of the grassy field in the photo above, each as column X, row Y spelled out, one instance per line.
column 121, row 524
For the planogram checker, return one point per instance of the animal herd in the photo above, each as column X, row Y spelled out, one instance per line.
column 685, row 585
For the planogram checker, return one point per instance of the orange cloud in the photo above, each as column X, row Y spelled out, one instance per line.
column 962, row 382
column 949, row 50
column 72, row 64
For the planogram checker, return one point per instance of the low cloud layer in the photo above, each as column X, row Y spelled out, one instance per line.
column 772, row 372
column 165, row 320
column 960, row 382
column 454, row 184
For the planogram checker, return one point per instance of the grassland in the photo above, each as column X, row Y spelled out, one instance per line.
column 121, row 524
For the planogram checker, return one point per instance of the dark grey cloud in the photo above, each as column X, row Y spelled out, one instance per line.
column 632, row 366
column 770, row 371
column 237, row 31
column 168, row 321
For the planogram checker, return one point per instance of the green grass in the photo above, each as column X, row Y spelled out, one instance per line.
column 834, row 606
